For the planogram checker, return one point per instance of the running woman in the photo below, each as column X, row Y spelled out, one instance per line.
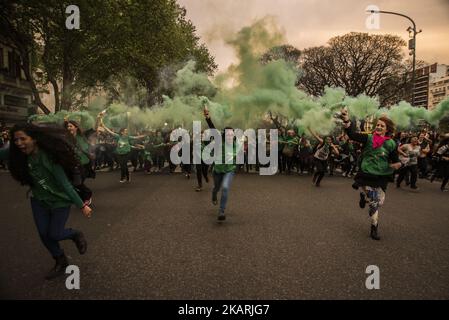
column 379, row 160
column 323, row 151
column 411, row 152
column 82, row 151
column 123, row 149
column 40, row 157
column 223, row 173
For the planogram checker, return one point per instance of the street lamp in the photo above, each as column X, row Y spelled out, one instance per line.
column 411, row 44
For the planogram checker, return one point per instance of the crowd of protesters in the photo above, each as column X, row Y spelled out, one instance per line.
column 424, row 154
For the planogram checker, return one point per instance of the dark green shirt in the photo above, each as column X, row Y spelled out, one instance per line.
column 82, row 149
column 376, row 161
column 123, row 144
column 50, row 183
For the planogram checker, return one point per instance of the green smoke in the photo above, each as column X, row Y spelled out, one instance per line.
column 245, row 94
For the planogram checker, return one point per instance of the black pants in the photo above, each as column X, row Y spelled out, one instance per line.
column 289, row 163
column 422, row 165
column 444, row 172
column 201, row 171
column 123, row 162
column 321, row 166
column 186, row 168
column 305, row 163
column 346, row 165
column 413, row 170
column 84, row 192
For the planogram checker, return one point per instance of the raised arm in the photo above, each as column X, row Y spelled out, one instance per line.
column 320, row 140
column 208, row 119
column 107, row 129
column 350, row 129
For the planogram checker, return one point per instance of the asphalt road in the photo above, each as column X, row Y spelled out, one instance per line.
column 156, row 238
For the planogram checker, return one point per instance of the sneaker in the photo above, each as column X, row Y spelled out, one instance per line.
column 344, row 174
column 122, row 181
column 198, row 189
column 362, row 202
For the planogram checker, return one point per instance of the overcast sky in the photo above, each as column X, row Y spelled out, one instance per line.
column 312, row 22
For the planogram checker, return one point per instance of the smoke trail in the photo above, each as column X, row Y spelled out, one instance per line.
column 243, row 96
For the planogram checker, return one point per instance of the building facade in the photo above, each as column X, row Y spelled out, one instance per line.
column 438, row 90
column 423, row 78
column 16, row 96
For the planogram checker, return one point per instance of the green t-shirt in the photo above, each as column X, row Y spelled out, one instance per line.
column 376, row 161
column 229, row 156
column 50, row 183
column 82, row 149
column 123, row 144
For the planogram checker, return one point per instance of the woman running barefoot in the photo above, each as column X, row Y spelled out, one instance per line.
column 123, row 149
column 223, row 173
column 379, row 160
column 323, row 151
column 82, row 151
column 40, row 157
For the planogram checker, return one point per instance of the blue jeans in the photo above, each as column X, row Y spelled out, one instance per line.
column 222, row 180
column 50, row 224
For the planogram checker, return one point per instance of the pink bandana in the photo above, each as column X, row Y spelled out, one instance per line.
column 379, row 140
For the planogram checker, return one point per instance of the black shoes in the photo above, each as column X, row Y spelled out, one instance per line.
column 362, row 202
column 59, row 269
column 80, row 242
column 374, row 234
column 221, row 216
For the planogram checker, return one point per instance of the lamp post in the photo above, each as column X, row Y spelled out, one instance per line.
column 411, row 44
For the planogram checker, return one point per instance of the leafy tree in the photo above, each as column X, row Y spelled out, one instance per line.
column 357, row 62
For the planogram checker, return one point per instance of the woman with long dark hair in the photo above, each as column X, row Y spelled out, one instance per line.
column 379, row 160
column 85, row 158
column 43, row 158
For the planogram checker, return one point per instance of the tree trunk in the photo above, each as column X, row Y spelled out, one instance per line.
column 67, row 81
column 29, row 77
column 54, row 83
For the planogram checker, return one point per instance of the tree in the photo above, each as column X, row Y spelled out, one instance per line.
column 358, row 62
column 117, row 38
column 159, row 35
